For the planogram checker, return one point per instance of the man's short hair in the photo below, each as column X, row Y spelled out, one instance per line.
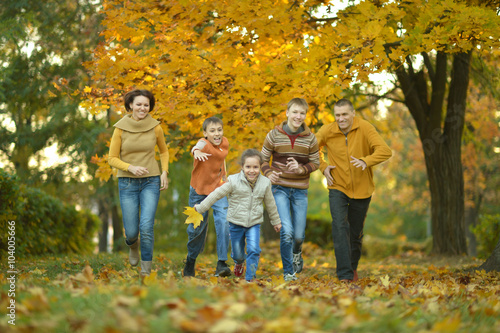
column 343, row 102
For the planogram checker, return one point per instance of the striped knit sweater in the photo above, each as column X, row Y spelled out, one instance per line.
column 280, row 146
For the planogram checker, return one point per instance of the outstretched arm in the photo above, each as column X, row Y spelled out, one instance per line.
column 213, row 197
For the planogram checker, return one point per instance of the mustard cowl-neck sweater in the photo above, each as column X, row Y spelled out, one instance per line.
column 133, row 143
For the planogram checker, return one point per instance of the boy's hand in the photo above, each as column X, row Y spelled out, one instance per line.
column 200, row 156
column 274, row 176
column 294, row 166
column 277, row 227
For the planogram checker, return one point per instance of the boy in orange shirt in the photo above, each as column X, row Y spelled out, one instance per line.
column 209, row 173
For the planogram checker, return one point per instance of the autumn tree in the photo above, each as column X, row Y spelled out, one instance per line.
column 437, row 39
column 244, row 60
column 400, row 205
column 43, row 44
column 480, row 160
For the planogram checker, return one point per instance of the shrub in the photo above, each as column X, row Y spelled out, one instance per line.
column 378, row 248
column 43, row 224
column 487, row 232
column 9, row 192
column 319, row 231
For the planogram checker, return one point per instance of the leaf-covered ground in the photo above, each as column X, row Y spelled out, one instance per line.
column 101, row 293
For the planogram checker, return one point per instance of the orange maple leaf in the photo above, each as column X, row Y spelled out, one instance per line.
column 193, row 216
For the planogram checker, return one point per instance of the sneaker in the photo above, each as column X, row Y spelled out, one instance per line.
column 239, row 269
column 298, row 262
column 291, row 277
column 188, row 268
column 222, row 269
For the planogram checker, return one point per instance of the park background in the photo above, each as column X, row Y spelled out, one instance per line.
column 424, row 73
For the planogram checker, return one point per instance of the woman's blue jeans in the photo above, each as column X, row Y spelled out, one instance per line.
column 196, row 237
column 139, row 200
column 251, row 236
column 348, row 219
column 292, row 208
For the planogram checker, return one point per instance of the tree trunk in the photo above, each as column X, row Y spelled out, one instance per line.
column 471, row 220
column 20, row 157
column 103, row 233
column 493, row 262
column 118, row 239
column 441, row 141
column 446, row 184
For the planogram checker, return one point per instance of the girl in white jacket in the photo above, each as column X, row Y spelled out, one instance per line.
column 246, row 192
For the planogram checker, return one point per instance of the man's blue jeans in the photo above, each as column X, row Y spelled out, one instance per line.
column 251, row 236
column 348, row 219
column 292, row 208
column 139, row 200
column 196, row 237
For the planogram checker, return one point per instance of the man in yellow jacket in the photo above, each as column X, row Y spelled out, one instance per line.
column 353, row 146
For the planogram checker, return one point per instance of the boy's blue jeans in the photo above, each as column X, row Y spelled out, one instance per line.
column 196, row 237
column 348, row 219
column 139, row 200
column 251, row 236
column 292, row 208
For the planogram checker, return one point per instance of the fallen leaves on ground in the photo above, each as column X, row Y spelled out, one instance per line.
column 397, row 294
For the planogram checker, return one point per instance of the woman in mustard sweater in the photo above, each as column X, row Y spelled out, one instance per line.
column 132, row 152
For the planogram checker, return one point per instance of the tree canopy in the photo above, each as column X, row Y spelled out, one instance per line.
column 245, row 60
column 43, row 46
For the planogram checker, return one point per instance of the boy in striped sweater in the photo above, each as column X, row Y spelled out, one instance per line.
column 295, row 154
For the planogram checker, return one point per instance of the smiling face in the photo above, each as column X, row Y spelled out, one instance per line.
column 344, row 116
column 214, row 133
column 296, row 115
column 140, row 107
column 251, row 168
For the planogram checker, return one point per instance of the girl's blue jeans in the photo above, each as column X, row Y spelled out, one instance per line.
column 241, row 236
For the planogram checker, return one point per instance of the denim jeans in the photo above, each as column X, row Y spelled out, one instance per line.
column 196, row 237
column 139, row 200
column 292, row 208
column 251, row 236
column 348, row 219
